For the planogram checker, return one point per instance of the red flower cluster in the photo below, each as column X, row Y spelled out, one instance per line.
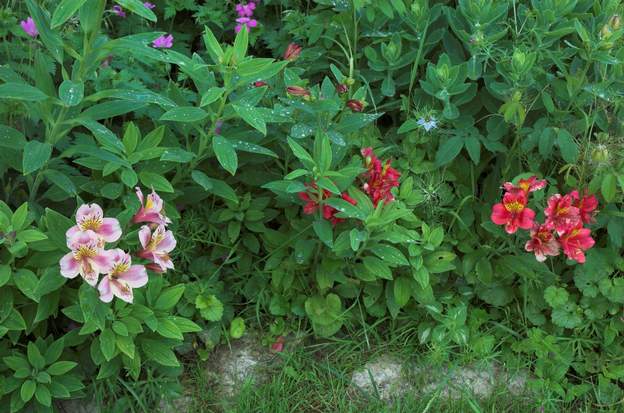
column 311, row 198
column 565, row 217
column 381, row 178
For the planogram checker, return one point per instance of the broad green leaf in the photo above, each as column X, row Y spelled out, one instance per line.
column 61, row 367
column 156, row 181
column 226, row 155
column 27, row 390
column 5, row 274
column 252, row 116
column 34, row 356
column 210, row 307
column 21, row 91
column 159, row 351
column 211, row 95
column 185, row 114
column 323, row 229
column 608, row 187
column 36, row 154
column 241, row 42
column 107, row 344
column 169, row 329
column 402, row 289
column 137, row 7
column 391, row 255
column 212, row 45
column 50, row 38
column 569, row 149
column 27, row 282
column 64, row 11
column 43, row 396
column 71, row 93
column 169, row 297
column 377, row 267
column 448, row 150
column 237, row 328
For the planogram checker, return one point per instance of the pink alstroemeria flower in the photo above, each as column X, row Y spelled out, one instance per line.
column 149, row 5
column 29, row 27
column 542, row 242
column 163, row 42
column 121, row 278
column 86, row 258
column 119, row 11
column 157, row 246
column 151, row 209
column 90, row 217
column 561, row 214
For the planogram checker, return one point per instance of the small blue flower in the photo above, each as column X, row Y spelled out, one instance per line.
column 432, row 123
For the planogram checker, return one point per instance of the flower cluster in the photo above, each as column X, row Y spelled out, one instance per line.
column 379, row 181
column 313, row 199
column 245, row 15
column 89, row 258
column 164, row 41
column 565, row 217
column 380, row 178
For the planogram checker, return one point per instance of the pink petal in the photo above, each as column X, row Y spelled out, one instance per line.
column 102, row 262
column 104, row 288
column 136, row 276
column 110, row 229
column 122, row 290
column 145, row 234
column 139, row 194
column 70, row 267
column 70, row 234
column 168, row 243
column 89, row 211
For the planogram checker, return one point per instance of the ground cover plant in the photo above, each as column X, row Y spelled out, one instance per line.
column 176, row 174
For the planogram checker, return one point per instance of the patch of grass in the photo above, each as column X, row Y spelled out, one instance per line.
column 316, row 378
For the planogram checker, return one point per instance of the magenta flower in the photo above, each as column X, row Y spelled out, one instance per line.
column 151, row 210
column 245, row 22
column 245, row 10
column 149, row 5
column 29, row 27
column 119, row 11
column 163, row 42
column 121, row 278
column 90, row 217
column 157, row 246
column 86, row 258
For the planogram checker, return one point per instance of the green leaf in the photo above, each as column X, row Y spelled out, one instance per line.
column 212, row 45
column 160, row 352
column 402, row 290
column 214, row 186
column 17, row 363
column 62, row 181
column 185, row 114
column 323, row 229
column 555, row 296
column 18, row 220
column 31, row 235
column 71, row 93
column 126, row 345
column 346, row 209
column 27, row 282
column 226, row 155
column 237, row 328
column 569, row 149
column 27, row 390
column 21, row 91
column 156, row 181
column 169, row 329
column 300, row 152
column 185, row 325
column 169, row 297
column 252, row 116
column 390, row 255
column 210, row 307
column 377, row 267
column 449, row 150
column 61, row 367
column 137, row 7
column 36, row 154
column 34, row 356
column 608, row 187
column 5, row 274
column 42, row 394
column 240, row 46
column 107, row 344
column 50, row 38
column 64, row 11
column 211, row 95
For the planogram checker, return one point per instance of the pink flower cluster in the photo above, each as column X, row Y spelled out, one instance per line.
column 89, row 258
column 245, row 15
column 564, row 225
column 29, row 27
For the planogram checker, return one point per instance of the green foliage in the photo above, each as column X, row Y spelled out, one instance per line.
column 459, row 97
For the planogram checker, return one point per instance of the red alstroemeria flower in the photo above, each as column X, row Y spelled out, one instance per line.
column 586, row 205
column 513, row 212
column 292, row 52
column 575, row 242
column 561, row 215
column 312, row 203
column 381, row 178
column 531, row 184
column 542, row 242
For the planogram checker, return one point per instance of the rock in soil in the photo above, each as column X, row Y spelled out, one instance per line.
column 77, row 406
column 382, row 377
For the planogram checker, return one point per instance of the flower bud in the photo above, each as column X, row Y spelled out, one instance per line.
column 298, row 91
column 259, row 83
column 355, row 105
column 349, row 81
column 600, row 154
column 342, row 88
column 615, row 22
column 292, row 52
